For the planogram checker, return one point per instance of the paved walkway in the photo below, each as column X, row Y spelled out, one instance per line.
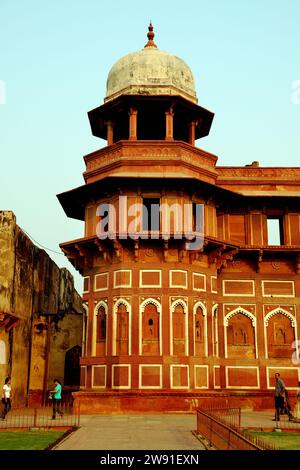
column 134, row 432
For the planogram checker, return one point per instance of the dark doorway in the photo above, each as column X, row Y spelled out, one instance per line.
column 72, row 366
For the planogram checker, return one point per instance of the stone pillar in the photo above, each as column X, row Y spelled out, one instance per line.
column 133, row 124
column 260, row 336
column 110, row 132
column 221, row 337
column 169, row 124
column 192, row 131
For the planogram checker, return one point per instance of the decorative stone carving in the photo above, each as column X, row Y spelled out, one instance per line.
column 244, row 312
column 248, row 172
column 149, row 252
column 281, row 311
column 276, row 265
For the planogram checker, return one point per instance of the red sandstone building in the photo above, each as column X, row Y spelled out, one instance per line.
column 166, row 326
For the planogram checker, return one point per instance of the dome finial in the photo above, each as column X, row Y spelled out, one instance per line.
column 150, row 36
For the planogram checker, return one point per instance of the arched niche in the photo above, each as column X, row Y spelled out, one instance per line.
column 215, row 333
column 240, row 334
column 280, row 333
column 200, row 330
column 85, row 329
column 100, row 329
column 150, row 327
column 122, row 328
column 179, row 328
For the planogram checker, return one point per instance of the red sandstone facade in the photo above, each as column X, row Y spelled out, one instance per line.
column 168, row 327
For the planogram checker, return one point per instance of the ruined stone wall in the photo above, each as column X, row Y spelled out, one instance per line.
column 7, row 227
column 7, row 251
column 35, row 291
column 22, row 307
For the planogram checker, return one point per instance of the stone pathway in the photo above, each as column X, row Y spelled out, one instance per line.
column 134, row 432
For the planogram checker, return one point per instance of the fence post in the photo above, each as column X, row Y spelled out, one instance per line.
column 228, row 441
column 34, row 417
column 78, row 413
column 240, row 416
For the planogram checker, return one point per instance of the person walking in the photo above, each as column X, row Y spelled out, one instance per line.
column 279, row 396
column 6, row 397
column 56, row 399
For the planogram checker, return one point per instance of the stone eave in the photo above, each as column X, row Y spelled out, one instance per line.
column 75, row 200
column 80, row 252
column 98, row 116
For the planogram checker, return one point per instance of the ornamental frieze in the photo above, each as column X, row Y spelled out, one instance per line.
column 283, row 173
column 141, row 153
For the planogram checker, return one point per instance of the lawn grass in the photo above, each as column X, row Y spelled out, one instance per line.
column 28, row 440
column 281, row 440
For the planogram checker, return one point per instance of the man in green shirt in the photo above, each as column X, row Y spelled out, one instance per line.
column 56, row 399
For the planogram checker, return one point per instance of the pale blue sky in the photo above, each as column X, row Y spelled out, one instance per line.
column 54, row 59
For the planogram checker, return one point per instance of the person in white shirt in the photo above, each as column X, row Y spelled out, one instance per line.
column 6, row 397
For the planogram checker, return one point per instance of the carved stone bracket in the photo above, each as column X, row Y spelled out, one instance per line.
column 259, row 260
column 82, row 250
column 136, row 250
column 118, row 249
column 85, row 256
column 75, row 259
column 166, row 250
column 225, row 257
column 181, row 253
column 214, row 255
column 103, row 250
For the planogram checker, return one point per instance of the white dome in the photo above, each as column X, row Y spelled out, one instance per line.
column 150, row 71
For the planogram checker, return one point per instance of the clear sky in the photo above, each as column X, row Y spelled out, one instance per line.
column 54, row 59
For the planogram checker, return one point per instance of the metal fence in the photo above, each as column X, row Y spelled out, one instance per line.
column 27, row 418
column 222, row 430
column 226, row 415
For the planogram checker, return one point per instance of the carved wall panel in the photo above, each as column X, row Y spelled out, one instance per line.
column 240, row 337
column 150, row 335
column 280, row 335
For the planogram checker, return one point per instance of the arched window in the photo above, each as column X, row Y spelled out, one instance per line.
column 215, row 334
column 179, row 346
column 2, row 353
column 199, row 332
column 101, row 332
column 84, row 330
column 150, row 330
column 240, row 336
column 280, row 334
column 122, row 330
